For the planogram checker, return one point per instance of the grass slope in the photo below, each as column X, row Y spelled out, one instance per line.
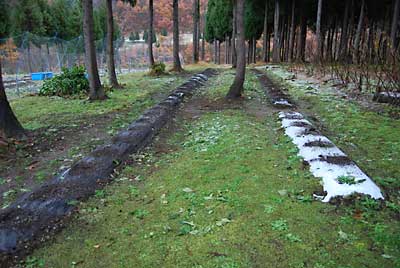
column 232, row 194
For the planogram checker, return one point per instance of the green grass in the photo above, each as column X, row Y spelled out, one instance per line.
column 37, row 111
column 234, row 194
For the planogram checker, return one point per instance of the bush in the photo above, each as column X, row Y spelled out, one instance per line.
column 158, row 69
column 71, row 82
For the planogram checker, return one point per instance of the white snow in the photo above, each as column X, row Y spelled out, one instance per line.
column 390, row 94
column 282, row 102
column 327, row 171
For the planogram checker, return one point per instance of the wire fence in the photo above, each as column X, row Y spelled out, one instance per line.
column 28, row 53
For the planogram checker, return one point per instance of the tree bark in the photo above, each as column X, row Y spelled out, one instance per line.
column 9, row 125
column 358, row 34
column 112, row 76
column 96, row 90
column 234, row 34
column 301, row 41
column 395, row 23
column 292, row 31
column 276, row 49
column 254, row 50
column 236, row 88
column 196, row 18
column 344, row 33
column 318, row 32
column 215, row 51
column 219, row 52
column 151, row 33
column 226, row 49
column 177, row 62
column 265, row 34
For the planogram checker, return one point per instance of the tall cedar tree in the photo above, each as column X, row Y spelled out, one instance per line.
column 265, row 34
column 277, row 48
column 96, row 89
column 236, row 88
column 112, row 76
column 175, row 16
column 196, row 22
column 151, row 30
column 318, row 32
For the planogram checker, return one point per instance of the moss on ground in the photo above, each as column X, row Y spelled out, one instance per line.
column 232, row 194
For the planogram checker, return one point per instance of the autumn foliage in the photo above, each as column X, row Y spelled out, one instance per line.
column 133, row 19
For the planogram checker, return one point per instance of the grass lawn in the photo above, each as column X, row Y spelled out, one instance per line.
column 231, row 192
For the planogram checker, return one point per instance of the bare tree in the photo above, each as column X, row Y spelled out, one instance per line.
column 236, row 88
column 96, row 90
column 177, row 62
column 276, row 49
column 151, row 33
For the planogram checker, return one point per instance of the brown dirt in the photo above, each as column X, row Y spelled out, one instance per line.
column 48, row 150
column 319, row 143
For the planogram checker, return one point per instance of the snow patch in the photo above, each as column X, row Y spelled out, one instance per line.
column 327, row 171
column 282, row 102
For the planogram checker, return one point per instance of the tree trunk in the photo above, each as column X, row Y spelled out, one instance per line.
column 254, row 50
column 301, row 41
column 29, row 57
column 177, row 62
column 276, row 49
column 248, row 52
column 236, row 88
column 292, row 31
column 395, row 23
column 96, row 90
column 219, row 52
column 112, row 76
column 343, row 35
column 318, row 32
column 234, row 34
column 203, row 48
column 226, row 49
column 151, row 33
column 358, row 34
column 196, row 17
column 9, row 125
column 215, row 51
column 269, row 45
column 203, row 42
column 265, row 34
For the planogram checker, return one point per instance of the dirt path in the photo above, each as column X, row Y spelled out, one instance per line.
column 54, row 149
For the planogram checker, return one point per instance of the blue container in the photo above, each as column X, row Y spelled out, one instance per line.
column 41, row 76
column 37, row 76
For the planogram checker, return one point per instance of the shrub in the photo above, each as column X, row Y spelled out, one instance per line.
column 158, row 69
column 71, row 82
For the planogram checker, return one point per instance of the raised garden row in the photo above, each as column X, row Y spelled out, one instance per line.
column 40, row 213
column 340, row 176
column 277, row 97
